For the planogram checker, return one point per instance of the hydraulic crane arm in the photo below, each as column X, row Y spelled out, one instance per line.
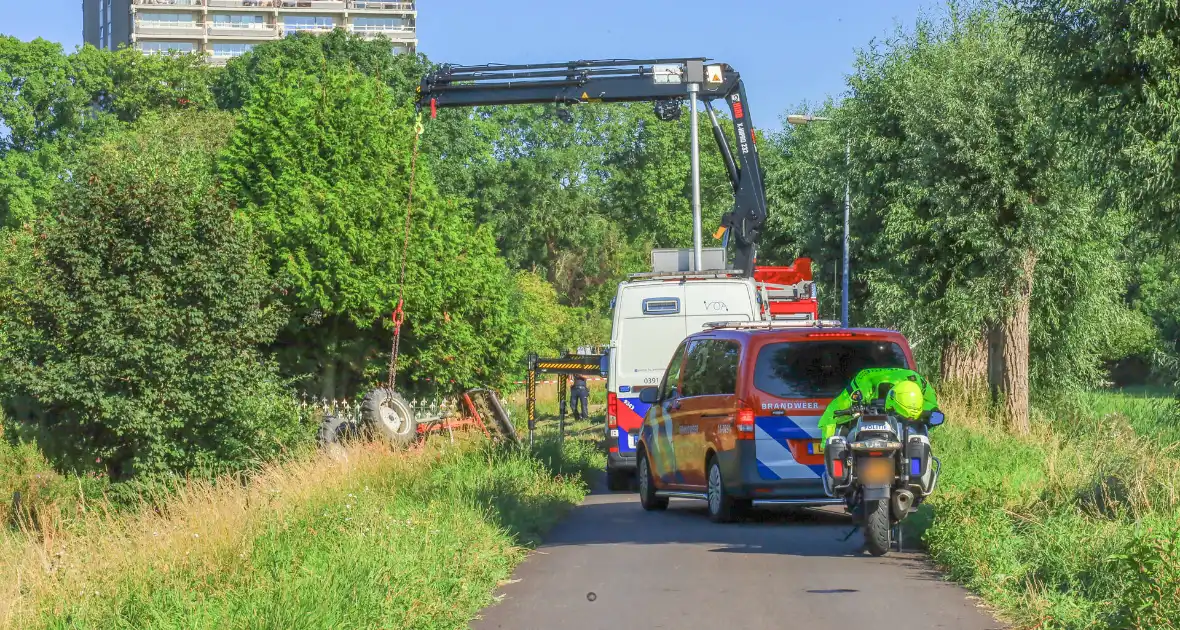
column 664, row 81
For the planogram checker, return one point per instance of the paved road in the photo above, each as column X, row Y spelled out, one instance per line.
column 676, row 569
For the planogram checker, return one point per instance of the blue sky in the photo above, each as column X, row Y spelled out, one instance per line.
column 788, row 51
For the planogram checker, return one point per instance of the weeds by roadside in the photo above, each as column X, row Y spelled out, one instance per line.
column 1073, row 527
column 370, row 538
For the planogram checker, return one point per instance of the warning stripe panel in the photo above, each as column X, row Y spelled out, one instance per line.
column 544, row 382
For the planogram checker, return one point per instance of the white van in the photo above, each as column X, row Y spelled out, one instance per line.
column 654, row 312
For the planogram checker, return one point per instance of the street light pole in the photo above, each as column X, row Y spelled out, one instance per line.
column 847, row 216
column 695, row 161
column 803, row 119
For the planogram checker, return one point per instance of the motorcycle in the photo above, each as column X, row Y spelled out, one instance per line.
column 883, row 468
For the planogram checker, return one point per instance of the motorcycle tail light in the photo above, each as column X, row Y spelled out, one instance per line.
column 835, row 457
column 919, row 453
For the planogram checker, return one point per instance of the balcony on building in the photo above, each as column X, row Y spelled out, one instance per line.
column 312, row 5
column 167, row 48
column 384, row 6
column 220, row 53
column 396, row 29
column 168, row 4
column 168, row 24
column 314, row 24
column 242, row 4
column 240, row 26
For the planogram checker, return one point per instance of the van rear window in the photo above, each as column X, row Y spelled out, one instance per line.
column 820, row 369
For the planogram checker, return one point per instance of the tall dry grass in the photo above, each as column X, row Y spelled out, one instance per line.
column 199, row 531
column 420, row 538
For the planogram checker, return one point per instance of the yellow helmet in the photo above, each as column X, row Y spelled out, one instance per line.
column 905, row 399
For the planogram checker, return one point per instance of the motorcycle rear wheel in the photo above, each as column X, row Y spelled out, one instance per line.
column 876, row 526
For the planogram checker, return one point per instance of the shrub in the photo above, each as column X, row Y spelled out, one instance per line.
column 130, row 341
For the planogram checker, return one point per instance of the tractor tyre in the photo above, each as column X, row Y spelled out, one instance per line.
column 387, row 414
column 336, row 429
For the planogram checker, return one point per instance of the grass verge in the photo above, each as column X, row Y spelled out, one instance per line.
column 365, row 539
column 1076, row 526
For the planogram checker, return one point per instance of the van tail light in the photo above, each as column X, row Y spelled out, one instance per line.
column 612, row 410
column 745, row 423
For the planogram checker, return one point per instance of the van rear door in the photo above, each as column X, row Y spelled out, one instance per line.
column 795, row 380
column 717, row 301
column 649, row 325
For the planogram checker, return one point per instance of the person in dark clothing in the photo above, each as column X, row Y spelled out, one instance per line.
column 580, row 393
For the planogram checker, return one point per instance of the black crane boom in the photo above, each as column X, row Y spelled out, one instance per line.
column 664, row 81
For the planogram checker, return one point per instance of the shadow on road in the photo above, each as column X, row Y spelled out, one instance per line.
column 616, row 518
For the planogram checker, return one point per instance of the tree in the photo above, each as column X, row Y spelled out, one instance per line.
column 322, row 164
column 1114, row 62
column 44, row 96
column 649, row 189
column 53, row 104
column 804, row 179
column 139, row 83
column 542, row 196
column 131, row 335
column 456, row 144
column 972, row 230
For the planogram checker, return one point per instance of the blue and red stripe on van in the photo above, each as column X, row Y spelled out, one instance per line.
column 631, row 412
column 781, row 447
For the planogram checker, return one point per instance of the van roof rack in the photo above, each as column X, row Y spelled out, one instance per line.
column 775, row 323
column 696, row 275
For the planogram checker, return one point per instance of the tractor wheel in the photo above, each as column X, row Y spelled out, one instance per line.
column 336, row 430
column 388, row 415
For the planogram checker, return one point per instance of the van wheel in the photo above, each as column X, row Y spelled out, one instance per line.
column 647, row 487
column 722, row 507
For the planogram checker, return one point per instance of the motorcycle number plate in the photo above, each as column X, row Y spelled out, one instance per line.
column 876, row 470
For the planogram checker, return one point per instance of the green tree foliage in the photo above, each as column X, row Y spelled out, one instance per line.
column 322, row 163
column 131, row 334
column 135, row 83
column 1117, row 60
column 804, row 178
column 53, row 104
column 44, row 96
column 1114, row 68
column 542, row 196
column 548, row 326
column 969, row 219
column 650, row 187
column 458, row 142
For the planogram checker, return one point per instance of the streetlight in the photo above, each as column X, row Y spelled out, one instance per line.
column 803, row 119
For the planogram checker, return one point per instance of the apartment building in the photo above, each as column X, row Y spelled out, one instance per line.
column 224, row 29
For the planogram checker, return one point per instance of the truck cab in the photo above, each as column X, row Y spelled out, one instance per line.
column 654, row 312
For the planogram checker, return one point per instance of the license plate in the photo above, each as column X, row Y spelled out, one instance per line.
column 876, row 470
column 630, row 441
column 815, row 447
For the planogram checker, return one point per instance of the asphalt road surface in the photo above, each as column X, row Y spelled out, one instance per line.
column 612, row 566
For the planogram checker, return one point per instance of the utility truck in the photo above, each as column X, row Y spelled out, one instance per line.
column 655, row 311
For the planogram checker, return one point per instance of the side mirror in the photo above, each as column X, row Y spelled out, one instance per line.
column 604, row 365
column 936, row 418
column 649, row 395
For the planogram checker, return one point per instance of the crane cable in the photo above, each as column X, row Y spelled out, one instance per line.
column 399, row 314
